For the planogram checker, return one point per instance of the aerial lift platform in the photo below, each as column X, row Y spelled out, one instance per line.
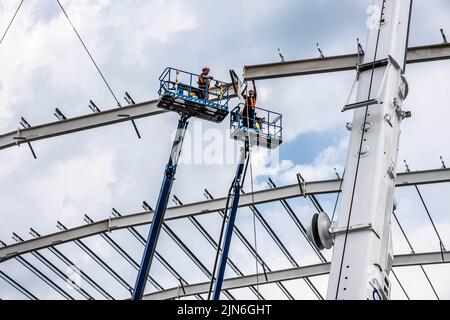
column 179, row 93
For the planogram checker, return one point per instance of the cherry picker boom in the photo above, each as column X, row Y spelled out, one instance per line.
column 178, row 94
column 262, row 132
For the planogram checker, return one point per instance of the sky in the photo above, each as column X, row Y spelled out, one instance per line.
column 43, row 66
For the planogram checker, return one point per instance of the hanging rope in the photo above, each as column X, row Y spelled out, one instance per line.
column 11, row 22
column 255, row 240
column 89, row 54
column 254, row 224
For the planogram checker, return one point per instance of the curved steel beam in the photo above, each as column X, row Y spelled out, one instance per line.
column 209, row 206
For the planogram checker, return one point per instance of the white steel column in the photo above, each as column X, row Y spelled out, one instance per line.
column 362, row 256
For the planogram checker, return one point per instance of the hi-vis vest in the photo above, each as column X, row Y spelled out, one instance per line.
column 251, row 102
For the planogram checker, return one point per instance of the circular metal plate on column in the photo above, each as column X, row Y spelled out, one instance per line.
column 319, row 231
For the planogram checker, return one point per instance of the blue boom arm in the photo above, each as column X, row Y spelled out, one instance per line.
column 158, row 214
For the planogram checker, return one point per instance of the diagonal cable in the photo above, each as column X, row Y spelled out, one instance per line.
column 441, row 243
column 252, row 250
column 400, row 284
column 89, row 53
column 282, row 247
column 413, row 252
column 215, row 246
column 11, row 22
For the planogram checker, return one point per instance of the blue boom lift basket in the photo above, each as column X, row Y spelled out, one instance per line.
column 264, row 128
column 179, row 92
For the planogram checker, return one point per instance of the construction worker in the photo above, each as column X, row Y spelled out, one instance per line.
column 248, row 113
column 259, row 123
column 203, row 84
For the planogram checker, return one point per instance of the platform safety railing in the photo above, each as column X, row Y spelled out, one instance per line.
column 179, row 83
column 261, row 121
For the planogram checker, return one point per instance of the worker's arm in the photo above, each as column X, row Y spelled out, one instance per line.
column 243, row 92
column 254, row 88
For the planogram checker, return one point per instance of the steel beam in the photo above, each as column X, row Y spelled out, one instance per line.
column 336, row 63
column 99, row 261
column 214, row 244
column 407, row 260
column 204, row 207
column 86, row 122
column 252, row 72
column 282, row 247
column 41, row 276
column 252, row 250
column 81, row 123
column 124, row 255
column 158, row 256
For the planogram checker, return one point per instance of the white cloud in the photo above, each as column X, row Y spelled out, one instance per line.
column 74, row 185
column 321, row 168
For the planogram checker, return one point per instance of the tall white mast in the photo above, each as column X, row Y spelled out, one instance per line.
column 362, row 256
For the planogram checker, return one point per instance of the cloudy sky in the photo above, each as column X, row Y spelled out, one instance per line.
column 43, row 66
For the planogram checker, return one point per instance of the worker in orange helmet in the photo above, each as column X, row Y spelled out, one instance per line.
column 203, row 83
column 248, row 113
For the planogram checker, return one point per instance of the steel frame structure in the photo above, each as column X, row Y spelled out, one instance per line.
column 431, row 258
column 406, row 179
column 347, row 62
column 209, row 206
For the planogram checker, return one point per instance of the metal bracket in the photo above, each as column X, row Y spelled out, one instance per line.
column 400, row 113
column 128, row 98
column 59, row 115
column 281, row 55
column 369, row 66
column 443, row 36
column 337, row 174
column 391, row 170
column 93, row 106
column 388, row 119
column 360, row 104
column 109, row 224
column 321, row 55
column 372, row 65
column 349, row 126
column 146, row 206
column 301, row 184
column 354, row 228
column 360, row 49
column 443, row 163
column 20, row 139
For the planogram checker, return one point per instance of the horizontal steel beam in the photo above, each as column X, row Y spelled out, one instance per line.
column 291, row 274
column 336, row 63
column 81, row 123
column 86, row 122
column 209, row 206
